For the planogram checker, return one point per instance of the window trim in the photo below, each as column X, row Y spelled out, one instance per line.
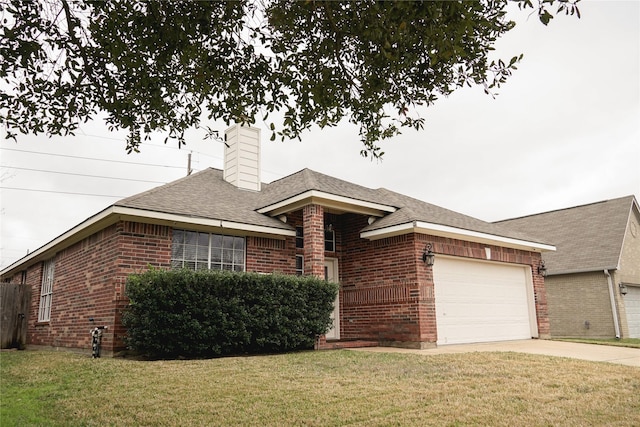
column 300, row 271
column 46, row 290
column 184, row 262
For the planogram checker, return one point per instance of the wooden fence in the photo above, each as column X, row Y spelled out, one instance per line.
column 14, row 314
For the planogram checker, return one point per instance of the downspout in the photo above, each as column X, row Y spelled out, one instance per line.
column 614, row 310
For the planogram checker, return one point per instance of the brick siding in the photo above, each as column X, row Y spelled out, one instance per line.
column 89, row 282
column 265, row 255
column 313, row 220
column 579, row 305
column 387, row 292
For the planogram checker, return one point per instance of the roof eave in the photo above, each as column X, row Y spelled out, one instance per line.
column 551, row 272
column 328, row 200
column 115, row 213
column 456, row 233
column 92, row 224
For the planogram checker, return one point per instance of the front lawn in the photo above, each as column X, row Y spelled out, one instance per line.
column 328, row 388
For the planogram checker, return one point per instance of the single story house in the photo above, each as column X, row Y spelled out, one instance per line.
column 484, row 284
column 593, row 278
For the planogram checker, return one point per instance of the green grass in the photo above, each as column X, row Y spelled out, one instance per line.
column 330, row 388
column 624, row 342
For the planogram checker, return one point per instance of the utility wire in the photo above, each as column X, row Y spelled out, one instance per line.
column 80, row 174
column 62, row 192
column 91, row 158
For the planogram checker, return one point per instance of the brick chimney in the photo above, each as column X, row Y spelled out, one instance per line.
column 242, row 157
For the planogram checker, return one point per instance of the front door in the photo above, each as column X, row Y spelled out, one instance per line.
column 331, row 275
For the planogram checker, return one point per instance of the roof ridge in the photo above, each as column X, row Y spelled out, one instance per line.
column 309, row 178
column 631, row 197
column 288, row 176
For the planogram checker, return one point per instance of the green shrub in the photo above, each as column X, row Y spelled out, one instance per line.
column 212, row 313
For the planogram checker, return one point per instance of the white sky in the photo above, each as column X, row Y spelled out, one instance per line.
column 564, row 131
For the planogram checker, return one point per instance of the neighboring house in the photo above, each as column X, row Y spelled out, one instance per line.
column 484, row 285
column 593, row 279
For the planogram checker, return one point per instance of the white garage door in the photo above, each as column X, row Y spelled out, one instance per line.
column 483, row 301
column 632, row 307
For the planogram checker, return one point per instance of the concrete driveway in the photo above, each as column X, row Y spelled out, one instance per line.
column 592, row 352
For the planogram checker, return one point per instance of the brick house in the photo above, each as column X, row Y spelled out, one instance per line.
column 593, row 279
column 484, row 284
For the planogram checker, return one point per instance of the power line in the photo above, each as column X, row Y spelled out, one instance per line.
column 62, row 192
column 80, row 174
column 91, row 158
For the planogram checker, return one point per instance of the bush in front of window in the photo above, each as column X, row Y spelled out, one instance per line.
column 186, row 313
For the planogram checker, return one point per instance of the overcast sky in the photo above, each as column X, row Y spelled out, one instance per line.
column 564, row 131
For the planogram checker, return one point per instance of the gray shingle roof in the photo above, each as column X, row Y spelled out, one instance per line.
column 204, row 195
column 411, row 209
column 587, row 237
column 307, row 179
column 207, row 195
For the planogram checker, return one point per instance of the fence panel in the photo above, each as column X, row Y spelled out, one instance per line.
column 14, row 308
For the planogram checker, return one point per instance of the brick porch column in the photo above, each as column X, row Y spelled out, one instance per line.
column 313, row 232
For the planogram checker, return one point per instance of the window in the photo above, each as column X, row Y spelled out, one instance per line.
column 199, row 251
column 329, row 241
column 299, row 265
column 46, row 291
column 299, row 237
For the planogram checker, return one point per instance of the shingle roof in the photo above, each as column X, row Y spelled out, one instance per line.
column 587, row 237
column 307, row 179
column 411, row 209
column 204, row 195
column 207, row 195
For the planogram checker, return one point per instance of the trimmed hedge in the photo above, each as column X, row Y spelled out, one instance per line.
column 185, row 313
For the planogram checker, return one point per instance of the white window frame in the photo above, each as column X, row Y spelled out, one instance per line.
column 226, row 254
column 46, row 290
column 300, row 271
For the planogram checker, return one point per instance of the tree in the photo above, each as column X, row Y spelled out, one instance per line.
column 159, row 66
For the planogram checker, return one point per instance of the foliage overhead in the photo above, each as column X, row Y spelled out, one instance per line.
column 163, row 65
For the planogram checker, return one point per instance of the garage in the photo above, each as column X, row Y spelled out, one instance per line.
column 632, row 308
column 480, row 301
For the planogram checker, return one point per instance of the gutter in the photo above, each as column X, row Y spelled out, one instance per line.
column 577, row 271
column 612, row 298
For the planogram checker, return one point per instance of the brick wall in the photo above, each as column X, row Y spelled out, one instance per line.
column 387, row 292
column 313, row 223
column 90, row 278
column 139, row 246
column 575, row 299
column 89, row 282
column 266, row 255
